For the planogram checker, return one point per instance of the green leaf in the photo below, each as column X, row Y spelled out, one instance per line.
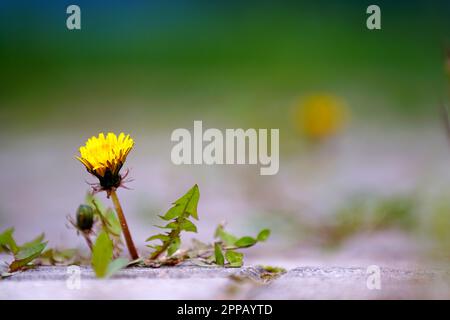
column 47, row 254
column 234, row 258
column 93, row 201
column 189, row 201
column 35, row 241
column 55, row 256
column 25, row 255
column 154, row 247
column 226, row 237
column 174, row 212
column 7, row 242
column 160, row 236
column 245, row 242
column 171, row 225
column 218, row 254
column 174, row 246
column 113, row 222
column 115, row 266
column 64, row 255
column 188, row 226
column 184, row 224
column 185, row 198
column 271, row 273
column 27, row 252
column 263, row 235
column 191, row 207
column 102, row 254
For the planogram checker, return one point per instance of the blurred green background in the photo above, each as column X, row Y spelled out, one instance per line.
column 240, row 61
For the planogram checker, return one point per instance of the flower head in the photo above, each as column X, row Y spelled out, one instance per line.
column 104, row 157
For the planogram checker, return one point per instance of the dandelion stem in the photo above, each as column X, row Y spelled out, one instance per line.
column 123, row 223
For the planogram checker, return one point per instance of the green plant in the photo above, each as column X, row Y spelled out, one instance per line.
column 23, row 255
column 102, row 257
column 222, row 252
column 102, row 231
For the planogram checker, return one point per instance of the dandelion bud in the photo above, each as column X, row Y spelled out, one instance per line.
column 85, row 217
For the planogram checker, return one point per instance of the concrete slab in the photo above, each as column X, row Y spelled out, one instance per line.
column 193, row 282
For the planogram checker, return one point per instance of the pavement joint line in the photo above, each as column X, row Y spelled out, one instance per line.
column 43, row 273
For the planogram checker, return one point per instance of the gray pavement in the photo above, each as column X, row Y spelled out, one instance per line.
column 252, row 282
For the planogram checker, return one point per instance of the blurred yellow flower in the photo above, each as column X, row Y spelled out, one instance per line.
column 104, row 157
column 320, row 116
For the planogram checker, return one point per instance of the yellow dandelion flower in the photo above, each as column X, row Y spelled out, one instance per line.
column 320, row 116
column 104, row 156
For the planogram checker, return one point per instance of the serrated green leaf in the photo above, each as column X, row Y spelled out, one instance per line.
column 26, row 255
column 218, row 255
column 188, row 226
column 182, row 208
column 174, row 246
column 27, row 252
column 186, row 197
column 184, row 224
column 172, row 225
column 160, row 236
column 35, row 241
column 234, row 258
column 226, row 237
column 263, row 235
column 7, row 242
column 189, row 202
column 174, row 212
column 157, row 247
column 245, row 242
column 191, row 207
column 116, row 266
column 102, row 254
